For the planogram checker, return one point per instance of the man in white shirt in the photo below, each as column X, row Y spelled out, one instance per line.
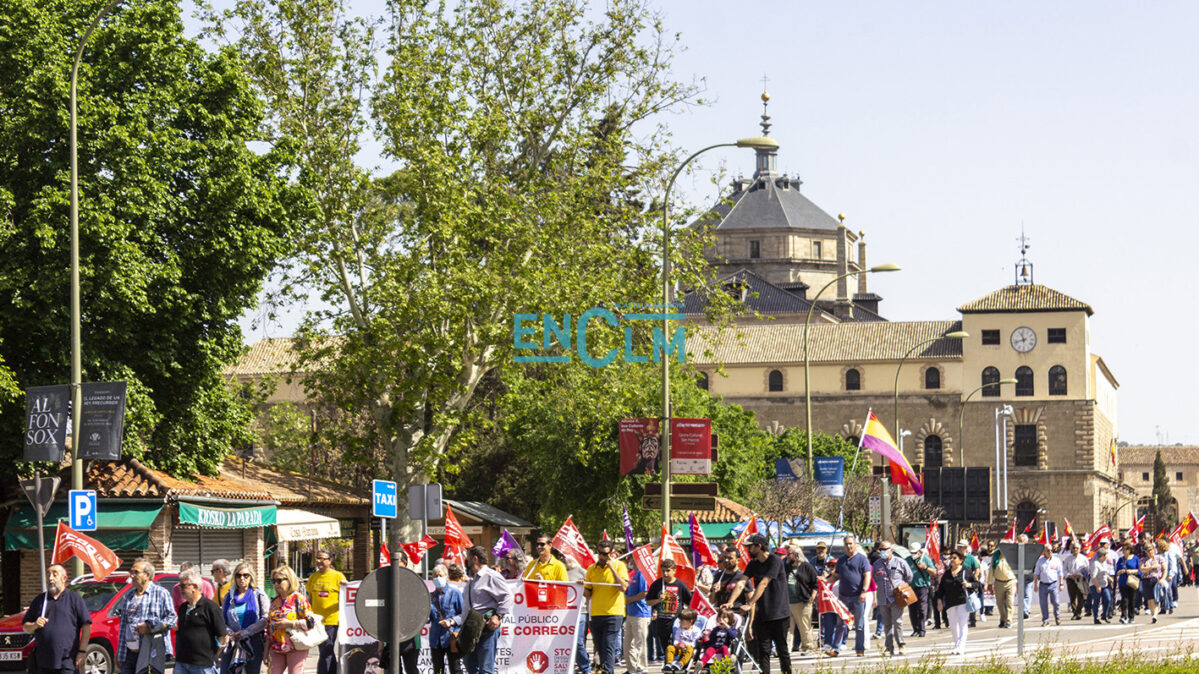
column 1049, row 579
column 1078, row 571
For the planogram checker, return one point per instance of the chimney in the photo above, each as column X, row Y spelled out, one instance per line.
column 843, row 308
column 862, row 263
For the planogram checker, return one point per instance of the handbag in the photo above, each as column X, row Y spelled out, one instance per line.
column 453, row 634
column 1132, row 581
column 315, row 635
column 472, row 629
column 904, row 595
column 973, row 603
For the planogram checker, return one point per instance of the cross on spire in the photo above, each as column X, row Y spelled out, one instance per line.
column 765, row 102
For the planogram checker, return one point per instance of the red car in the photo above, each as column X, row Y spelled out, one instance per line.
column 101, row 598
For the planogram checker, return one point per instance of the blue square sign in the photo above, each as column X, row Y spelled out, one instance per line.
column 384, row 501
column 83, row 509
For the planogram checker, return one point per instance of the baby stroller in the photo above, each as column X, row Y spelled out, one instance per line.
column 737, row 650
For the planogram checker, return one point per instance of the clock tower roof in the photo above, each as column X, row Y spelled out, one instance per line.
column 1024, row 298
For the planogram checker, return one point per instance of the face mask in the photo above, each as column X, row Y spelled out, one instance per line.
column 439, row 582
column 885, row 554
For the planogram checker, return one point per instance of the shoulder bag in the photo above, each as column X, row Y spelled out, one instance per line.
column 1132, row 581
column 904, row 595
column 453, row 634
column 315, row 635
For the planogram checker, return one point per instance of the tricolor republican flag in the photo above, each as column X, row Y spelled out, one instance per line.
column 876, row 438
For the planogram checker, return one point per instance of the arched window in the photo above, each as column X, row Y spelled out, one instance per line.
column 990, row 376
column 853, row 440
column 776, row 380
column 932, row 452
column 932, row 378
column 1057, row 381
column 1026, row 512
column 702, row 381
column 1024, row 381
column 853, row 380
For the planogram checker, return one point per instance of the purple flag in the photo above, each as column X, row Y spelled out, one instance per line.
column 504, row 545
column 628, row 528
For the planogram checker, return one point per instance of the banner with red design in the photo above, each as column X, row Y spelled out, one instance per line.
column 416, row 551
column 569, row 541
column 539, row 636
column 742, row 553
column 932, row 542
column 70, row 543
column 647, row 562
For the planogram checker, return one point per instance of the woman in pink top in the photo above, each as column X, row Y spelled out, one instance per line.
column 289, row 611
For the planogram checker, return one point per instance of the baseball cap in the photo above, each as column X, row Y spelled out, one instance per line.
column 963, row 543
column 758, row 539
column 821, row 544
column 914, row 546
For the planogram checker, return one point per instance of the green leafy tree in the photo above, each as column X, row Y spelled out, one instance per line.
column 180, row 221
column 525, row 143
column 1164, row 509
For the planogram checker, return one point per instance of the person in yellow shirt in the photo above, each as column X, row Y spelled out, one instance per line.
column 604, row 586
column 545, row 566
column 324, row 587
column 222, row 577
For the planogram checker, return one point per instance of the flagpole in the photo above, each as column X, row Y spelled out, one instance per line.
column 861, row 439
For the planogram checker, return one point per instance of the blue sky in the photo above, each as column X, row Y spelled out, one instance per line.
column 942, row 128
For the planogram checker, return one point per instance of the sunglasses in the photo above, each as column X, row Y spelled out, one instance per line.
column 243, row 575
column 542, row 544
column 279, row 580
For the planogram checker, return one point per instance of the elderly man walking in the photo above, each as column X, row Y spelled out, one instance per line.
column 145, row 612
column 1049, row 577
column 890, row 572
column 60, row 622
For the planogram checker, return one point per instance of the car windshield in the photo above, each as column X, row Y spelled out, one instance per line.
column 97, row 595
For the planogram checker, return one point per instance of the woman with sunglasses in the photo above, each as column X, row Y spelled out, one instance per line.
column 245, row 611
column 956, row 584
column 290, row 611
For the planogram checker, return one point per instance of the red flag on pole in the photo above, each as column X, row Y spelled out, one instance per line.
column 749, row 530
column 1010, row 536
column 672, row 550
column 643, row 557
column 569, row 541
column 605, row 536
column 974, row 544
column 70, row 543
column 384, row 555
column 699, row 545
column 455, row 535
column 416, row 551
column 932, row 542
column 702, row 606
column 1028, row 529
column 827, row 602
column 1043, row 537
column 1137, row 527
column 1186, row 527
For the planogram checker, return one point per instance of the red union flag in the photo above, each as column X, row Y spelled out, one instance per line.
column 546, row 596
column 932, row 542
column 827, row 602
column 742, row 553
column 455, row 536
column 1137, row 527
column 1186, row 527
column 68, row 543
column 700, row 550
column 416, row 551
column 672, row 550
column 701, row 605
column 569, row 541
column 1010, row 536
column 384, row 555
column 643, row 557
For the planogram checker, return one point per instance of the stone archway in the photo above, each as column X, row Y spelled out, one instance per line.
column 852, row 430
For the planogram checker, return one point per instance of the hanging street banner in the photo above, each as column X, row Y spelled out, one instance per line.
column 46, row 421
column 103, row 420
column 690, row 446
column 539, row 636
column 640, row 444
column 830, row 475
column 226, row 518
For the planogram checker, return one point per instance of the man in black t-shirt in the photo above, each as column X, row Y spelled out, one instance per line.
column 200, row 628
column 667, row 596
column 60, row 622
column 728, row 583
column 771, row 610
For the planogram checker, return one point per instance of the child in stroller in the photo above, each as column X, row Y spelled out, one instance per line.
column 720, row 639
column 682, row 646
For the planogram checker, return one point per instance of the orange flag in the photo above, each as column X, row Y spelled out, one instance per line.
column 70, row 543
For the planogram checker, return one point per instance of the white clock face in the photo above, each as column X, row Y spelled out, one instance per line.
column 1024, row 339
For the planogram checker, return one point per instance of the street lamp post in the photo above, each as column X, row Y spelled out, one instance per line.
column 962, row 414
column 807, row 381
column 756, row 143
column 76, row 339
column 956, row 334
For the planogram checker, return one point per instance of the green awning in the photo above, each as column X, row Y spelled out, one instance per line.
column 718, row 530
column 226, row 518
column 121, row 525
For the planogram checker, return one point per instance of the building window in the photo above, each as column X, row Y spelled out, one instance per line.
column 1178, row 477
column 932, row 451
column 1024, row 381
column 990, row 337
column 1026, row 513
column 990, row 376
column 776, row 380
column 1057, row 381
column 932, row 378
column 755, row 249
column 817, row 250
column 1144, row 477
column 1057, row 336
column 853, row 440
column 853, row 380
column 703, row 381
column 1025, row 453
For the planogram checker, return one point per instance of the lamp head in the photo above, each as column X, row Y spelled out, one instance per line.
column 1008, row 381
column 758, row 143
column 957, row 334
column 883, row 267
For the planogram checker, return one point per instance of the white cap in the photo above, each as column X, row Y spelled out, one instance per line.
column 914, row 546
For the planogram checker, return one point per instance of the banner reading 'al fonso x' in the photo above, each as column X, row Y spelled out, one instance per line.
column 538, row 637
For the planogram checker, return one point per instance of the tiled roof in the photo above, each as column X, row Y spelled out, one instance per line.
column 839, row 342
column 273, row 355
column 1024, row 298
column 768, row 202
column 727, row 510
column 760, row 295
column 129, row 478
column 1143, row 455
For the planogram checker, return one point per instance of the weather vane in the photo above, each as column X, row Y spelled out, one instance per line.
column 1024, row 268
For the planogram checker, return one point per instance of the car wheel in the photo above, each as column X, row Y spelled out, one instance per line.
column 97, row 660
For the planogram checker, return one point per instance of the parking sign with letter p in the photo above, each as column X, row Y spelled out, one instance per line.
column 83, row 509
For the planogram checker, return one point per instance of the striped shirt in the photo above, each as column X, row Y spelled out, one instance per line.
column 152, row 607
